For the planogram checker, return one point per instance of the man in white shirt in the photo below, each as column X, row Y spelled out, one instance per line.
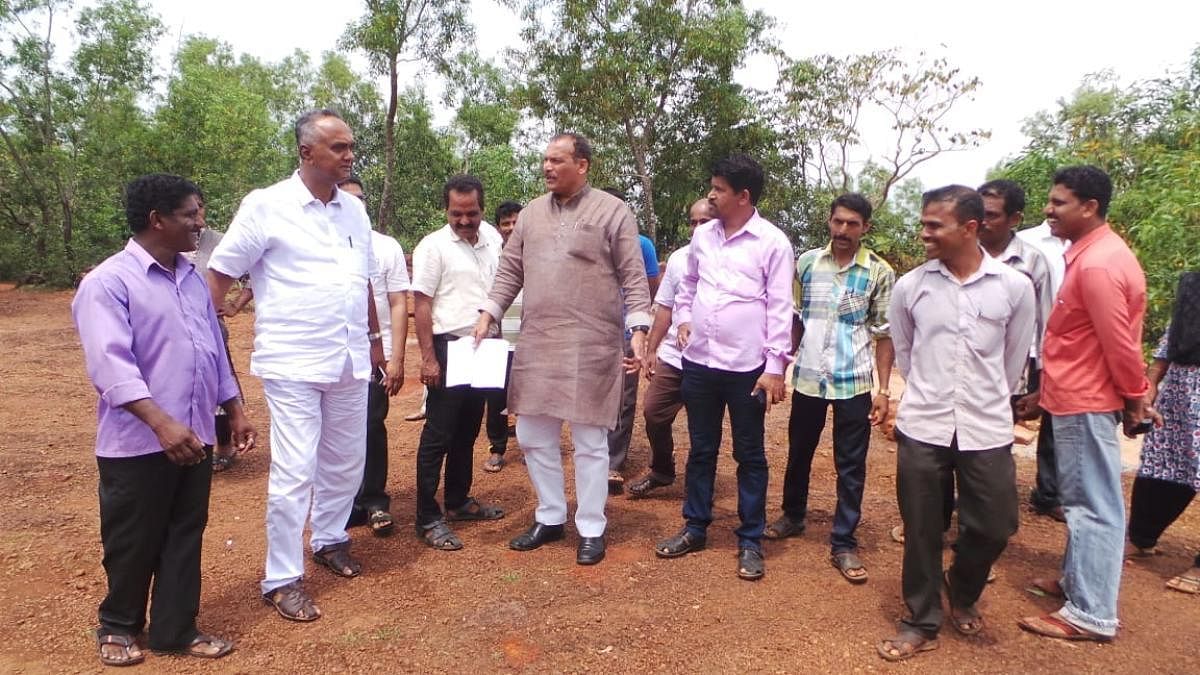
column 307, row 247
column 389, row 287
column 663, row 398
column 453, row 269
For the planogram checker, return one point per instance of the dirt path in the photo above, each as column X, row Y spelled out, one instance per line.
column 487, row 609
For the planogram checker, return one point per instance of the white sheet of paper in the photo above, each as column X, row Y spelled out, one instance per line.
column 482, row 367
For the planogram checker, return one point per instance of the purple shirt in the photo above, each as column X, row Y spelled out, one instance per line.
column 737, row 294
column 150, row 333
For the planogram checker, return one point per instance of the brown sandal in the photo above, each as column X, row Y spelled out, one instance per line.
column 966, row 620
column 223, row 647
column 292, row 603
column 131, row 654
column 1053, row 625
column 337, row 558
column 907, row 644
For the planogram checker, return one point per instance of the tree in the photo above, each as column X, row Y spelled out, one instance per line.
column 398, row 31
column 632, row 74
column 64, row 131
column 822, row 104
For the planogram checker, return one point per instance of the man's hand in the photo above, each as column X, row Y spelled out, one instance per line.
column 772, row 386
column 1132, row 415
column 431, row 372
column 243, row 432
column 394, row 377
column 683, row 335
column 482, row 327
column 879, row 409
column 648, row 368
column 377, row 358
column 180, row 443
column 1027, row 408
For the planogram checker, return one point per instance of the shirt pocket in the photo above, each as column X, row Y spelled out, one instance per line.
column 989, row 321
column 852, row 307
column 586, row 242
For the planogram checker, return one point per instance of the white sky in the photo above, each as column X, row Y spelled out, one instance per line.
column 1028, row 53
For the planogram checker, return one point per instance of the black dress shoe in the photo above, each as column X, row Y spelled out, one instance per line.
column 591, row 550
column 535, row 536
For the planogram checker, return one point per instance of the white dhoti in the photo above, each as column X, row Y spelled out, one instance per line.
column 538, row 437
column 318, row 446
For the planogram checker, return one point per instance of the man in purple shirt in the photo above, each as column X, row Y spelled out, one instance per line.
column 734, row 312
column 153, row 350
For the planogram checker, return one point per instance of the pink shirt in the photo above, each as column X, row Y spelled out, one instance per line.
column 1092, row 358
column 737, row 295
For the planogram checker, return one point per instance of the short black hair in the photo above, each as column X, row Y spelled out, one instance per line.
column 616, row 192
column 1087, row 182
column 462, row 184
column 1012, row 194
column 853, row 201
column 968, row 205
column 352, row 180
column 742, row 173
column 582, row 148
column 162, row 192
column 305, row 122
column 507, row 209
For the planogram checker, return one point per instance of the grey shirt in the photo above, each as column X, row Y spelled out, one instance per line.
column 961, row 347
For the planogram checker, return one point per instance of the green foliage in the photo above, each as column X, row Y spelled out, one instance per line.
column 1147, row 137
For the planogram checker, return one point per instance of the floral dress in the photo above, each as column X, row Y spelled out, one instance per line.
column 1172, row 453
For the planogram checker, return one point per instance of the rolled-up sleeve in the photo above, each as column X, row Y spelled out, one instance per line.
column 101, row 313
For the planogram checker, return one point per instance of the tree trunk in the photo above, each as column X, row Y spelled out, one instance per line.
column 386, row 209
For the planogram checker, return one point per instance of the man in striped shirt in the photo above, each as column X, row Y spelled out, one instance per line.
column 842, row 293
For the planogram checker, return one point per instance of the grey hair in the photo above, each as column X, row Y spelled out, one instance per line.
column 306, row 122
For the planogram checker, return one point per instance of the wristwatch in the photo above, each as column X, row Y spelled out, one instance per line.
column 884, row 392
column 374, row 336
column 640, row 329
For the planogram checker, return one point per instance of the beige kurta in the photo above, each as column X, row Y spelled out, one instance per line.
column 572, row 261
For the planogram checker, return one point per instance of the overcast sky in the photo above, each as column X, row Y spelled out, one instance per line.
column 1028, row 53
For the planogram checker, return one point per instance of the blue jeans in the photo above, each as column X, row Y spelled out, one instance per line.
column 1089, row 483
column 706, row 393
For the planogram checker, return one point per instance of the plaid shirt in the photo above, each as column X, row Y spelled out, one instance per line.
column 843, row 309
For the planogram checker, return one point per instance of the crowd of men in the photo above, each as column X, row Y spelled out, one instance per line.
column 993, row 328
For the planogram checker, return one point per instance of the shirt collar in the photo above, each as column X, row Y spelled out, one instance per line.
column 862, row 258
column 989, row 267
column 147, row 262
column 1014, row 250
column 304, row 196
column 482, row 240
column 578, row 196
column 753, row 227
column 1088, row 239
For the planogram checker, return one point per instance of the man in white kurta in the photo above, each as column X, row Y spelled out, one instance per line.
column 307, row 247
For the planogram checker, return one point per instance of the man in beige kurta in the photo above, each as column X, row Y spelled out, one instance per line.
column 574, row 252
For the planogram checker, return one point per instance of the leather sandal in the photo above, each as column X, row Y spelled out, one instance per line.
column 473, row 509
column 131, row 654
column 441, row 537
column 750, row 564
column 784, row 527
column 681, row 544
column 338, row 559
column 642, row 486
column 846, row 562
column 223, row 647
column 292, row 603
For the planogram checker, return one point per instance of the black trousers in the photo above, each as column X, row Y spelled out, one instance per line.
column 372, row 494
column 1154, row 506
column 152, row 518
column 851, row 435
column 496, row 419
column 622, row 434
column 452, row 419
column 987, row 517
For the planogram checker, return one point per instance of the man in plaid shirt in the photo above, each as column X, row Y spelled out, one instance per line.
column 842, row 295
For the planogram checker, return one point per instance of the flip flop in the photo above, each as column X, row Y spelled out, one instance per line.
column 1185, row 583
column 1054, row 626
column 127, row 642
column 223, row 647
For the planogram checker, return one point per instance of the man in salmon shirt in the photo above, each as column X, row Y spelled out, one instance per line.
column 1092, row 380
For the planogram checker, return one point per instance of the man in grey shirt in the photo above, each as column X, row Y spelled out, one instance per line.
column 962, row 325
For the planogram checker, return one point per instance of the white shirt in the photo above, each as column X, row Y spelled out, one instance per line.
column 309, row 263
column 457, row 275
column 1052, row 249
column 391, row 276
column 668, row 350
column 961, row 347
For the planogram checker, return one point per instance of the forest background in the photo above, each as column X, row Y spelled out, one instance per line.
column 85, row 105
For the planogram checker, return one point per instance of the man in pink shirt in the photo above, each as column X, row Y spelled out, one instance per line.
column 734, row 312
column 1092, row 380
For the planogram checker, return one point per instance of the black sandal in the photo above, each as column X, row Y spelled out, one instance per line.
column 126, row 642
column 337, row 558
column 441, row 537
column 642, row 486
column 381, row 522
column 681, row 544
column 292, row 603
column 473, row 509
